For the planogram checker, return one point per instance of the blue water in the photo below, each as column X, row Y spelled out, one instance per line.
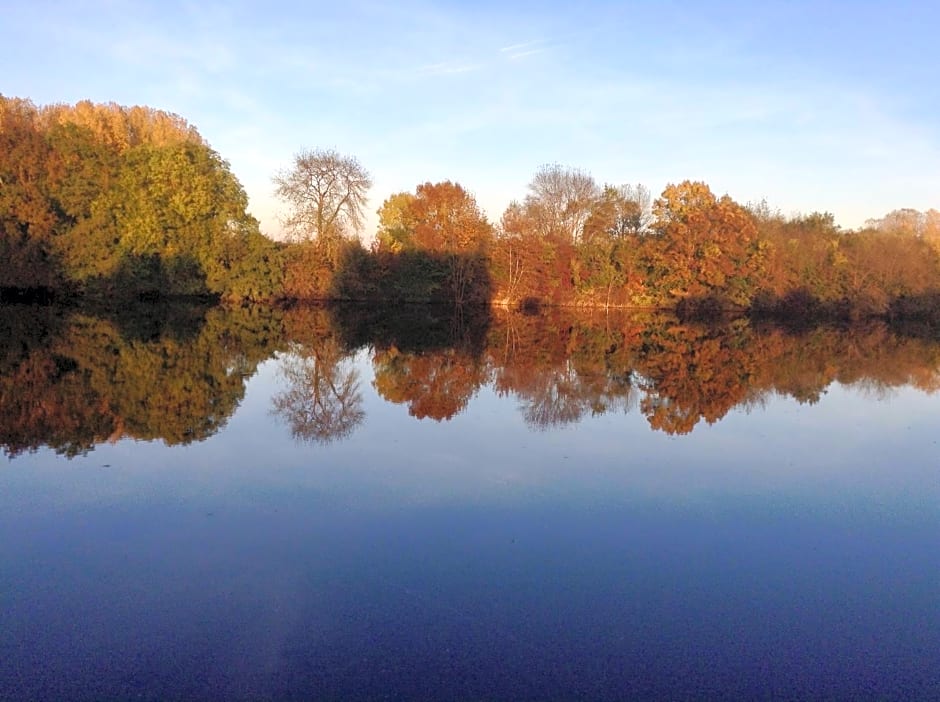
column 787, row 551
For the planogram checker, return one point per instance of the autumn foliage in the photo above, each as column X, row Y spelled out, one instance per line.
column 123, row 202
column 114, row 202
column 71, row 380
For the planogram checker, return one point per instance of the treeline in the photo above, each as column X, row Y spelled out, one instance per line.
column 70, row 380
column 109, row 201
column 573, row 242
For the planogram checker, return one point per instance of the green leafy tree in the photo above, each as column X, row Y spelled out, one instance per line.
column 108, row 198
column 396, row 225
column 174, row 219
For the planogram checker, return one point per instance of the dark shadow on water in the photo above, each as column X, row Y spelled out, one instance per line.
column 428, row 357
column 161, row 319
column 413, row 328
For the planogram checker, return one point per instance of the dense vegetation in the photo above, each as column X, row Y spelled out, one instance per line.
column 107, row 201
column 574, row 243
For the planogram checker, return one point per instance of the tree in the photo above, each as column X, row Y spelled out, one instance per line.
column 446, row 218
column 27, row 216
column 103, row 198
column 604, row 264
column 619, row 212
column 560, row 201
column 169, row 222
column 705, row 245
column 906, row 221
column 606, row 253
column 804, row 254
column 120, row 128
column 932, row 228
column 326, row 193
column 440, row 223
column 396, row 229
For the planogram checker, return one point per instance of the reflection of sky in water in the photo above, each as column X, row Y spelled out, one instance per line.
column 788, row 550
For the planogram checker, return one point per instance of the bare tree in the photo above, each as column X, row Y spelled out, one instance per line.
column 905, row 221
column 326, row 193
column 561, row 200
column 635, row 210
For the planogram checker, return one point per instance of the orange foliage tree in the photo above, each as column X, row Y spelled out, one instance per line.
column 445, row 222
column 704, row 246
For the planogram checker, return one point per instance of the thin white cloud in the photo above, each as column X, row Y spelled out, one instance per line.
column 522, row 46
column 514, row 52
column 523, row 54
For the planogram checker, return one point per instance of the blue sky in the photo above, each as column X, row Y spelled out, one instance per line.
column 812, row 105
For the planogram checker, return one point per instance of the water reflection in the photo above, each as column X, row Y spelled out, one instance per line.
column 322, row 401
column 464, row 556
column 70, row 379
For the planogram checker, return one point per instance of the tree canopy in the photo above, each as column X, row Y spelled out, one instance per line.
column 121, row 202
column 115, row 201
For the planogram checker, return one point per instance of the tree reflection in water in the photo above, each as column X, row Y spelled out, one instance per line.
column 71, row 379
column 322, row 402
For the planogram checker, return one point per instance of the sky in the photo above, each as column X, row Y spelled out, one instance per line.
column 813, row 106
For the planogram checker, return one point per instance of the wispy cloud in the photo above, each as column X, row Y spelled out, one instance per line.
column 513, row 48
column 523, row 54
column 756, row 103
column 513, row 52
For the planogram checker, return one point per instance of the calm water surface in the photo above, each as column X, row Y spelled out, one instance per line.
column 287, row 506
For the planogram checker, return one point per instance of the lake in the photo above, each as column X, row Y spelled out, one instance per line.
column 356, row 504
